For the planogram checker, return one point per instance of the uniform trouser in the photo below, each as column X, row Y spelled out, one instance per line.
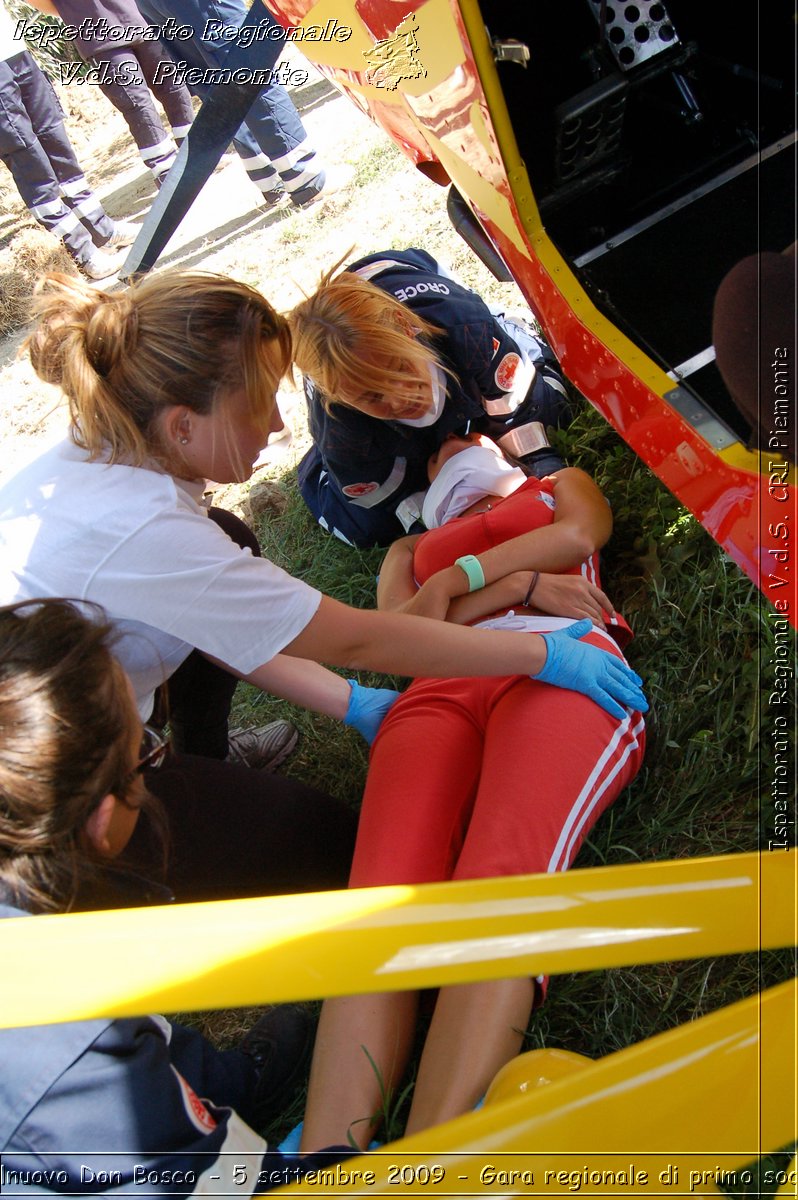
column 35, row 147
column 513, row 774
column 272, row 142
column 128, row 74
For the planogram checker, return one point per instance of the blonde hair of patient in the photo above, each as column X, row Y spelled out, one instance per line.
column 121, row 358
column 350, row 336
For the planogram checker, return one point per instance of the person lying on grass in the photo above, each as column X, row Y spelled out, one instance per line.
column 509, row 773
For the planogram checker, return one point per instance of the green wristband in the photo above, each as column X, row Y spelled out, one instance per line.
column 473, row 571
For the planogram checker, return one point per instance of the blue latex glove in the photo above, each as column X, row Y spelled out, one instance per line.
column 290, row 1143
column 367, row 707
column 584, row 668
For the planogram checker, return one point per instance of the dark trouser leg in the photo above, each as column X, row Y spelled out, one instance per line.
column 199, row 694
column 35, row 148
column 257, row 164
column 226, row 1075
column 39, row 189
column 238, row 832
column 275, row 125
column 45, row 112
column 175, row 97
column 281, row 146
column 125, row 87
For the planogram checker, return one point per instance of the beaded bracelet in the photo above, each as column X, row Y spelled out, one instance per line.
column 472, row 567
column 531, row 588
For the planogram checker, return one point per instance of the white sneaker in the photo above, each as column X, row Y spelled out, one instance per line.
column 101, row 265
column 337, row 179
column 125, row 234
column 264, row 747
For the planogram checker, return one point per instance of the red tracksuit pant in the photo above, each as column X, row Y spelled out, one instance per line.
column 474, row 778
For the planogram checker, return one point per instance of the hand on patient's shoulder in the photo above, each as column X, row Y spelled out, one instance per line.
column 581, row 667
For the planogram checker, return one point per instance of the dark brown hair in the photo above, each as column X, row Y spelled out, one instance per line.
column 65, row 730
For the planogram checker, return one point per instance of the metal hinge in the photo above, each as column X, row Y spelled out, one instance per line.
column 510, row 50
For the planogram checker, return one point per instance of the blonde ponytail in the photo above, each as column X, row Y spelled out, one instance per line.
column 121, row 358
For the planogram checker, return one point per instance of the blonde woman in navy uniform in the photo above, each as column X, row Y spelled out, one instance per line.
column 396, row 356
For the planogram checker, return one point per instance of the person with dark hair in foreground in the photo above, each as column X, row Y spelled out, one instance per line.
column 147, row 1102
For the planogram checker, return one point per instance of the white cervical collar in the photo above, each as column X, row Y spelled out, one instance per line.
column 466, row 478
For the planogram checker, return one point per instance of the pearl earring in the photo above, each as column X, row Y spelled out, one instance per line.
column 184, row 441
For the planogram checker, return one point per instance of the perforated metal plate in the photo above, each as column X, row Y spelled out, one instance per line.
column 635, row 32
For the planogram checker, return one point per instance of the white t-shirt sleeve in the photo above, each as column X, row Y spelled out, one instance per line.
column 180, row 573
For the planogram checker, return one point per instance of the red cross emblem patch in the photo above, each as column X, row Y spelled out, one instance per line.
column 359, row 489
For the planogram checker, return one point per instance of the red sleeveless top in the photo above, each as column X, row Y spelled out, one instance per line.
column 530, row 507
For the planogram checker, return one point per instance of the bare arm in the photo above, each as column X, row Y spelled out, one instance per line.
column 396, row 586
column 300, row 681
column 399, row 644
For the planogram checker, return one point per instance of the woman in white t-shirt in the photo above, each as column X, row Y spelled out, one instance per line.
column 171, row 382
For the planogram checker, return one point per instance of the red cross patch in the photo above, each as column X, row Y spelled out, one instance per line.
column 359, row 489
column 505, row 372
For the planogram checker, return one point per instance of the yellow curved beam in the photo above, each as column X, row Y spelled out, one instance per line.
column 672, row 1114
column 240, row 952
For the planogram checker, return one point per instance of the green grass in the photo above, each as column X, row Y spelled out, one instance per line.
column 701, row 634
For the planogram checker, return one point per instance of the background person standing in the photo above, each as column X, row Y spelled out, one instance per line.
column 272, row 143
column 129, row 76
column 37, row 151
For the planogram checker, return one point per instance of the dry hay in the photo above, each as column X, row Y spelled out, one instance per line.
column 267, row 498
column 33, row 254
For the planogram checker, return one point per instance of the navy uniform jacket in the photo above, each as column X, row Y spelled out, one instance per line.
column 361, row 468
